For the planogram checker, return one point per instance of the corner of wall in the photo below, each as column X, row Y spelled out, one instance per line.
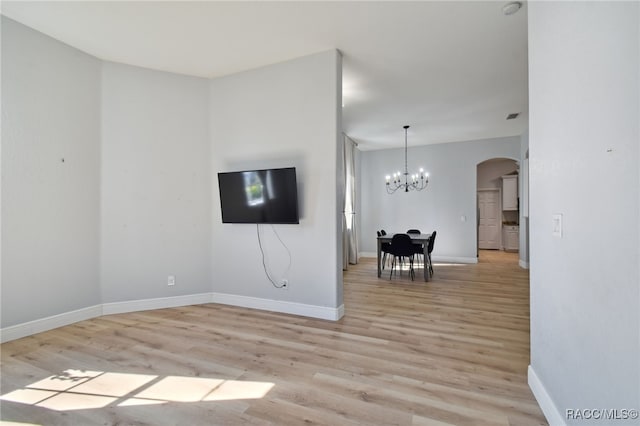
column 545, row 402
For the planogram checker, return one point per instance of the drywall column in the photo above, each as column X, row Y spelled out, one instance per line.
column 524, row 200
column 584, row 133
column 282, row 115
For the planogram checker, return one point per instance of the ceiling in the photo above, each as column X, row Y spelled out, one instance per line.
column 452, row 70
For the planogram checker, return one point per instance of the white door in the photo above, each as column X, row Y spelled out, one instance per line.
column 489, row 225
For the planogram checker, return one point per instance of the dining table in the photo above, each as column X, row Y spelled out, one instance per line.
column 415, row 239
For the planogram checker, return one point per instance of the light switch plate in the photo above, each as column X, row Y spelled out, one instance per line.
column 557, row 225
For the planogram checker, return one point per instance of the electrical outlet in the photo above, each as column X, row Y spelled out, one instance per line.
column 284, row 284
column 171, row 280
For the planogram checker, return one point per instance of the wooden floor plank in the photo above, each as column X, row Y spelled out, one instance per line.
column 453, row 351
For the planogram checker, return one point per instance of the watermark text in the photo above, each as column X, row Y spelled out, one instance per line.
column 601, row 414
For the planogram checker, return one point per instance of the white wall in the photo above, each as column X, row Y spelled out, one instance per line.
column 50, row 208
column 278, row 116
column 156, row 184
column 524, row 200
column 450, row 195
column 584, row 131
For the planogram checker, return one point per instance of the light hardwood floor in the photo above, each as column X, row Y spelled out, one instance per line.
column 452, row 351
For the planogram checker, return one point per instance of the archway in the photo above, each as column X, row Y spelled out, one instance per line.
column 498, row 207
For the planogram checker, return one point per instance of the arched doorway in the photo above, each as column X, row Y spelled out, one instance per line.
column 498, row 207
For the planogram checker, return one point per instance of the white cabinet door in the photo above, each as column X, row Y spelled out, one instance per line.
column 510, row 192
column 511, row 238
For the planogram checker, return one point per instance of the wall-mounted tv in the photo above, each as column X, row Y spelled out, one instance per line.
column 259, row 196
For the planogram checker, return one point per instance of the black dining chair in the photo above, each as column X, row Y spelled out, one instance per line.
column 402, row 247
column 384, row 247
column 432, row 241
column 418, row 248
column 384, row 233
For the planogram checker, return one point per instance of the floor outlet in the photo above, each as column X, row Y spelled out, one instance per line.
column 171, row 280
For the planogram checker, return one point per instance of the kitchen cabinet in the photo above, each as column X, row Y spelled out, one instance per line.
column 510, row 192
column 511, row 237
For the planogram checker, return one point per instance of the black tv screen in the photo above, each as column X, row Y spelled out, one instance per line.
column 259, row 196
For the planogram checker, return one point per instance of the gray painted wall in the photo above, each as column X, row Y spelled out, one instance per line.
column 279, row 116
column 134, row 200
column 156, row 184
column 584, row 131
column 50, row 208
column 451, row 193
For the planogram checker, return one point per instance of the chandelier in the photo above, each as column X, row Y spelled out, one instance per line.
column 416, row 182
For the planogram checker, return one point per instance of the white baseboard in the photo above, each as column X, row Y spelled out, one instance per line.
column 453, row 259
column 523, row 264
column 37, row 326
column 313, row 311
column 340, row 312
column 545, row 402
column 49, row 323
column 436, row 259
column 158, row 303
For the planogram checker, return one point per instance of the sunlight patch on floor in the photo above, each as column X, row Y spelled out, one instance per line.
column 449, row 264
column 82, row 390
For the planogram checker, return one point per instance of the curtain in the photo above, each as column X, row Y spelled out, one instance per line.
column 349, row 228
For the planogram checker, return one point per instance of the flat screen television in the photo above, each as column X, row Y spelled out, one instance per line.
column 259, row 196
